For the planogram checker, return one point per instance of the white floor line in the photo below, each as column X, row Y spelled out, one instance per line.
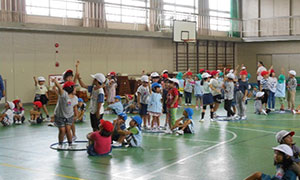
column 161, row 149
column 150, row 175
column 176, row 138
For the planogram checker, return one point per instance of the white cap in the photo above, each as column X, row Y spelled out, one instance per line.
column 154, row 74
column 41, row 78
column 260, row 94
column 144, row 78
column 231, row 71
column 174, row 80
column 244, row 67
column 283, row 133
column 205, row 75
column 285, row 149
column 231, row 75
column 99, row 77
column 11, row 105
column 164, row 71
column 292, row 72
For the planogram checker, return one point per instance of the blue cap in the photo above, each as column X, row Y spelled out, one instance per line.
column 154, row 85
column 138, row 120
column 80, row 100
column 190, row 112
column 118, row 97
column 123, row 115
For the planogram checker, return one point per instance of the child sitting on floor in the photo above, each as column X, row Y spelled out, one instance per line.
column 100, row 141
column 35, row 113
column 132, row 137
column 119, row 125
column 258, row 107
column 117, row 106
column 254, row 91
column 18, row 112
column 81, row 110
column 186, row 123
column 130, row 106
column 283, row 162
column 7, row 115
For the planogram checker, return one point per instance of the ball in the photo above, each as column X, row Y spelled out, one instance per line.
column 56, row 45
column 57, row 64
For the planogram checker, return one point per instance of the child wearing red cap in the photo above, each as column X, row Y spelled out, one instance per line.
column 100, row 141
column 264, row 87
column 188, row 88
column 65, row 111
column 242, row 89
column 18, row 112
column 35, row 113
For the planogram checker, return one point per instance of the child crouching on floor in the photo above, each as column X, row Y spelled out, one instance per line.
column 117, row 106
column 100, row 141
column 186, row 123
column 132, row 137
column 7, row 115
column 35, row 113
column 258, row 107
column 81, row 110
column 18, row 112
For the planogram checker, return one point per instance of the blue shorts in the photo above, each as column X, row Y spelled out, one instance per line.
column 91, row 151
column 198, row 96
column 143, row 109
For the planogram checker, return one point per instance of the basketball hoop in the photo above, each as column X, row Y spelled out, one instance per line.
column 189, row 40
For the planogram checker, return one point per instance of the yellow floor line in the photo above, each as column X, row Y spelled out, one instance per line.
column 39, row 171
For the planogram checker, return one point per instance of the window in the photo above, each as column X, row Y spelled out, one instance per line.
column 55, row 8
column 126, row 11
column 219, row 12
column 179, row 10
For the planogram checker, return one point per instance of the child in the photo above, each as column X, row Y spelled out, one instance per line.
column 18, row 112
column 7, row 115
column 280, row 91
column 265, row 88
column 155, row 77
column 258, row 108
column 143, row 94
column 132, row 137
column 117, row 106
column 181, row 87
column 172, row 103
column 198, row 91
column 97, row 98
column 228, row 94
column 241, row 95
column 254, row 91
column 111, row 87
column 215, row 90
column 186, row 123
column 207, row 96
column 66, row 111
column 283, row 162
column 41, row 93
column 155, row 105
column 81, row 110
column 188, row 88
column 286, row 137
column 100, row 141
column 291, row 85
column 130, row 106
column 272, row 85
column 166, row 89
column 35, row 113
column 119, row 125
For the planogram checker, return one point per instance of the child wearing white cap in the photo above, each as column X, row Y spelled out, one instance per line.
column 207, row 96
column 144, row 92
column 258, row 107
column 97, row 98
column 41, row 93
column 291, row 85
column 7, row 115
column 229, row 94
column 283, row 162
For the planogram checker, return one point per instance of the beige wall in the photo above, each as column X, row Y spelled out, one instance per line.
column 280, row 54
column 24, row 55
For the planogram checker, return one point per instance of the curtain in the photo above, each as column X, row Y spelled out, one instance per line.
column 203, row 19
column 12, row 10
column 155, row 15
column 234, row 15
column 94, row 14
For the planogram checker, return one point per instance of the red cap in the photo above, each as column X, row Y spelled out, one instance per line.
column 214, row 72
column 264, row 73
column 69, row 71
column 189, row 73
column 112, row 73
column 208, row 71
column 202, row 70
column 38, row 104
column 107, row 125
column 165, row 76
column 272, row 70
column 16, row 101
column 244, row 72
column 69, row 84
column 130, row 96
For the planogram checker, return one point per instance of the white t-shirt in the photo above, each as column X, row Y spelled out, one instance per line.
column 259, row 70
column 65, row 105
column 145, row 93
column 41, row 89
column 10, row 115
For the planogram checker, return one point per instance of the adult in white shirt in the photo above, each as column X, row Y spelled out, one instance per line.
column 260, row 69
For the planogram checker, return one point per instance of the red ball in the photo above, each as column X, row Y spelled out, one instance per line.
column 56, row 45
column 56, row 64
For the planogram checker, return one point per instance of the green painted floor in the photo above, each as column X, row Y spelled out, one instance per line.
column 218, row 150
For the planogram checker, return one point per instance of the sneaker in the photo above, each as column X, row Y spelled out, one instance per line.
column 202, row 120
column 294, row 111
column 212, row 120
column 74, row 138
column 116, row 144
column 273, row 110
column 70, row 147
column 32, row 121
column 180, row 132
column 51, row 124
column 168, row 131
column 244, row 118
column 236, row 117
column 264, row 112
column 197, row 107
column 59, row 147
column 185, row 104
column 48, row 119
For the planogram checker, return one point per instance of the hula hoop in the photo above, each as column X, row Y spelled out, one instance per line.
column 75, row 149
